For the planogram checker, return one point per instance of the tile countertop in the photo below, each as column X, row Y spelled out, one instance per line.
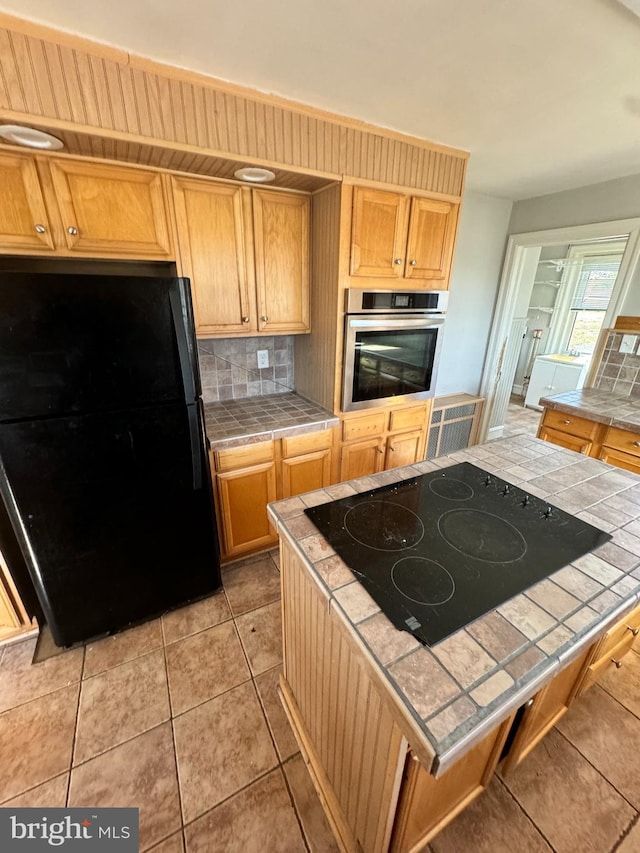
column 247, row 421
column 601, row 406
column 461, row 688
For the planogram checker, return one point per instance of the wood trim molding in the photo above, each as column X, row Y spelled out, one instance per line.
column 63, row 81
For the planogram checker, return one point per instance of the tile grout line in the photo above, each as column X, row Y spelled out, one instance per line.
column 525, row 812
column 593, row 766
column 618, row 701
column 173, row 735
column 75, row 728
column 626, row 833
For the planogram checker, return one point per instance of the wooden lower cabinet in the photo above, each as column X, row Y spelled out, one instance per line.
column 608, row 653
column 243, row 497
column 426, row 804
column 249, row 477
column 619, row 447
column 383, row 438
column 306, row 462
column 544, row 710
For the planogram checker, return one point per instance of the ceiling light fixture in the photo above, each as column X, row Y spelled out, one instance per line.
column 254, row 175
column 30, row 137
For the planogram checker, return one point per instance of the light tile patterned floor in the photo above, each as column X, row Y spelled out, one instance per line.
column 519, row 419
column 179, row 716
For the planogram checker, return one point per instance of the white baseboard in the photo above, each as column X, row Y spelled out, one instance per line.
column 517, row 390
column 495, row 432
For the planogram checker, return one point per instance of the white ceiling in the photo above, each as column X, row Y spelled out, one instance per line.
column 545, row 94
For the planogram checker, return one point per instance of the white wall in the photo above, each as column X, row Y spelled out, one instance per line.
column 474, row 285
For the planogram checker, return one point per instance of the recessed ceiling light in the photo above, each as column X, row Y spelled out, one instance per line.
column 254, row 175
column 30, row 137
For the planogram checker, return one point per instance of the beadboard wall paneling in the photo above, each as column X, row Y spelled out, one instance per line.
column 89, row 88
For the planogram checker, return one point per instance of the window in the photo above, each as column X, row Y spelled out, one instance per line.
column 594, row 286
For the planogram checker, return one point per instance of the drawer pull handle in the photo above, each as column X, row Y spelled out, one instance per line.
column 566, row 422
column 634, row 631
column 636, row 443
column 618, row 663
column 40, row 229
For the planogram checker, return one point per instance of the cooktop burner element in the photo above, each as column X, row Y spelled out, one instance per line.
column 440, row 550
column 453, row 490
column 423, row 581
column 482, row 535
column 384, row 526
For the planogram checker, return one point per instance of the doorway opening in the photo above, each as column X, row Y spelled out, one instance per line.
column 560, row 292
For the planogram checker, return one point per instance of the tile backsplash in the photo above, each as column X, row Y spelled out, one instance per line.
column 619, row 370
column 229, row 367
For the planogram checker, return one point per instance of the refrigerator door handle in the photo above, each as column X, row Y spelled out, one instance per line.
column 196, row 446
column 184, row 354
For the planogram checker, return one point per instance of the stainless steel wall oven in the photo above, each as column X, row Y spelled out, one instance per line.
column 391, row 347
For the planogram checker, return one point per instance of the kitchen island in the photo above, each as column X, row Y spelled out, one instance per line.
column 400, row 737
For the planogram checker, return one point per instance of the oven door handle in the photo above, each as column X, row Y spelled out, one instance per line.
column 394, row 323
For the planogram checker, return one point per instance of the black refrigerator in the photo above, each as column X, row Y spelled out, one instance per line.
column 104, row 472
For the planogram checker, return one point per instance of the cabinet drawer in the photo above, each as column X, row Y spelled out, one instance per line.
column 623, row 629
column 607, row 661
column 568, row 423
column 298, row 444
column 623, row 439
column 628, row 461
column 364, row 426
column 242, row 457
column 565, row 439
column 414, row 418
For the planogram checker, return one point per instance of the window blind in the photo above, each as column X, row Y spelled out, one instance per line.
column 595, row 283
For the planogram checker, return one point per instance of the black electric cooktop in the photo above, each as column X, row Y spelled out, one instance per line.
column 442, row 549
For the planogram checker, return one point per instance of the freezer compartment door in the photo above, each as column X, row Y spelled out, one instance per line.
column 114, row 523
column 83, row 343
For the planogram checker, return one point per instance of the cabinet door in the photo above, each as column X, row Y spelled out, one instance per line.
column 432, row 231
column 620, row 460
column 281, row 235
column 545, row 709
column 306, row 473
column 427, row 804
column 378, row 233
column 540, row 383
column 213, row 254
column 361, row 458
column 403, row 449
column 24, row 224
column 244, row 495
column 564, row 439
column 108, row 210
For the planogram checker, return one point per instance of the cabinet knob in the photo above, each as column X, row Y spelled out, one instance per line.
column 636, row 443
column 264, row 318
column 72, row 230
column 618, row 663
column 392, row 449
column 634, row 631
column 380, row 450
column 566, row 422
column 413, row 263
column 245, row 319
column 398, row 261
column 40, row 229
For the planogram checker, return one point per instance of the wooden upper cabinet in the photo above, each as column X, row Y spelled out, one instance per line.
column 215, row 253
column 24, row 223
column 404, row 239
column 281, row 238
column 432, row 231
column 378, row 233
column 109, row 210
